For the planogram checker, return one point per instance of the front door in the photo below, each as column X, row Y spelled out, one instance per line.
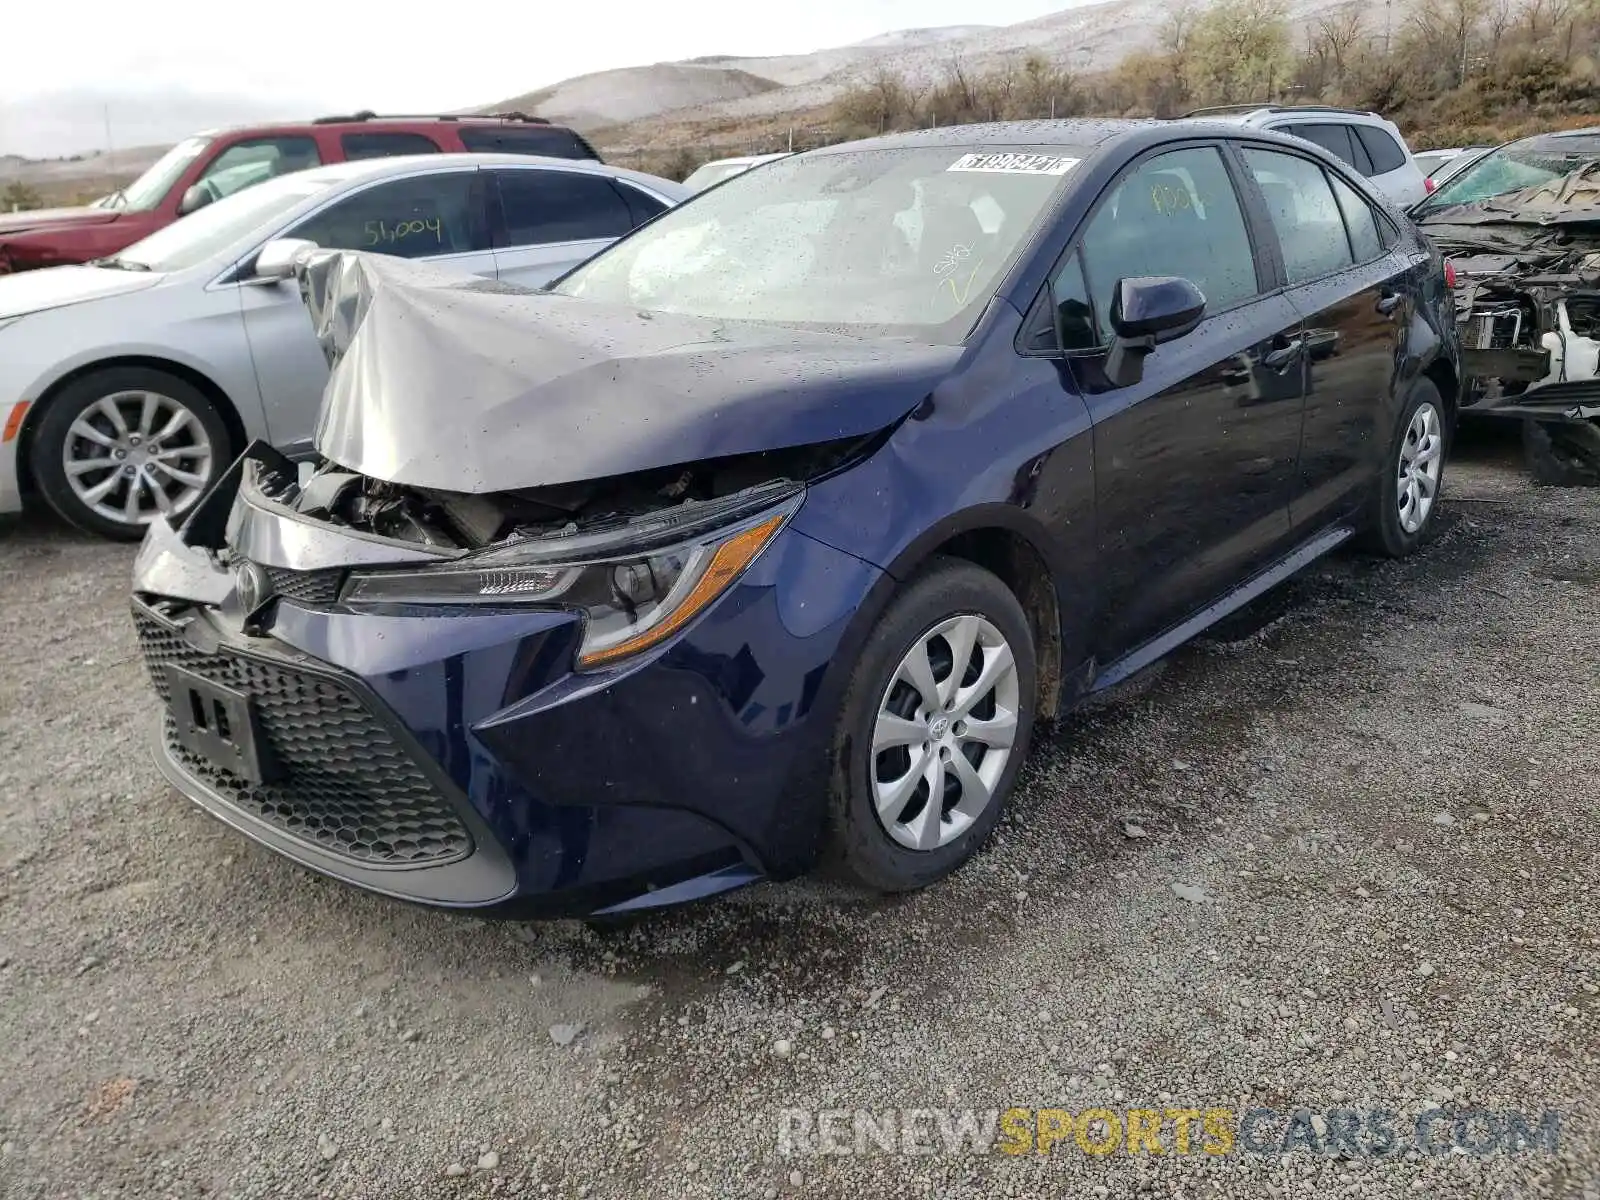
column 438, row 216
column 1354, row 298
column 1194, row 464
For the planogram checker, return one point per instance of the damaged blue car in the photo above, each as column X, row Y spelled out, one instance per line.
column 766, row 537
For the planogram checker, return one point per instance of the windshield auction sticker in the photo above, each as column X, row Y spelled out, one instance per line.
column 1014, row 164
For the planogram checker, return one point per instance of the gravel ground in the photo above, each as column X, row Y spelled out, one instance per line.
column 1375, row 793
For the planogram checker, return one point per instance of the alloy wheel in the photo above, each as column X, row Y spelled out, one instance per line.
column 1421, row 461
column 133, row 456
column 944, row 731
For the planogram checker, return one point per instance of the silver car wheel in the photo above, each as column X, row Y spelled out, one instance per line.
column 945, row 729
column 133, row 456
column 1421, row 460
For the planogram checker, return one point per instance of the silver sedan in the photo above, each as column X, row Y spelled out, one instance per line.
column 128, row 385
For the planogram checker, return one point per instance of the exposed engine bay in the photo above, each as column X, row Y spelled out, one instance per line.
column 456, row 521
column 1527, row 322
column 1527, row 269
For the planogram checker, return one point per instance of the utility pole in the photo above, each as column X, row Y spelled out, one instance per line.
column 106, row 112
column 1388, row 24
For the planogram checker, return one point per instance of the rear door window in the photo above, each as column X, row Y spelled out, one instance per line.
column 1359, row 221
column 1305, row 215
column 641, row 207
column 385, row 145
column 524, row 139
column 1381, row 147
column 420, row 217
column 1174, row 214
column 1335, row 139
column 542, row 207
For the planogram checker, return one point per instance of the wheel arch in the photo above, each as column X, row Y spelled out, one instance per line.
column 197, row 379
column 1006, row 541
column 1441, row 372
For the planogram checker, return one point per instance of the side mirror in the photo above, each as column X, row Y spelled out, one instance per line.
column 1146, row 312
column 277, row 259
column 194, row 197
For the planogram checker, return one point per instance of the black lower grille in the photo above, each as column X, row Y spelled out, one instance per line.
column 346, row 784
column 318, row 588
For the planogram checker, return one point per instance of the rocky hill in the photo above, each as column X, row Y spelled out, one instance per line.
column 1086, row 38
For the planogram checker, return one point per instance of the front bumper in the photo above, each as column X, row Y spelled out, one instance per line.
column 454, row 758
column 1568, row 401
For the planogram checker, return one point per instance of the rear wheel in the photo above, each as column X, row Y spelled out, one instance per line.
column 933, row 730
column 118, row 448
column 1562, row 453
column 1405, row 495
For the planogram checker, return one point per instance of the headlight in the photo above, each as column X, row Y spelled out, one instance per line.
column 636, row 583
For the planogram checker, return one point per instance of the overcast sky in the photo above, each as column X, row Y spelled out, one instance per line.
column 159, row 63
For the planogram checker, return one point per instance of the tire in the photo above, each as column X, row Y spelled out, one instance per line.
column 197, row 447
column 862, row 849
column 1562, row 453
column 1387, row 530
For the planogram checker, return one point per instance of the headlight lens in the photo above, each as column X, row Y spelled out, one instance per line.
column 637, row 584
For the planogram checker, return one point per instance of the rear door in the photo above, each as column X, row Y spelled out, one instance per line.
column 1194, row 464
column 547, row 141
column 1355, row 296
column 1394, row 172
column 384, row 143
column 546, row 220
column 437, row 215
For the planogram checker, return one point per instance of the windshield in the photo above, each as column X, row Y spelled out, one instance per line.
column 147, row 191
column 903, row 242
column 1512, row 168
column 213, row 229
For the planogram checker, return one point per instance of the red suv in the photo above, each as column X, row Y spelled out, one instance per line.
column 208, row 166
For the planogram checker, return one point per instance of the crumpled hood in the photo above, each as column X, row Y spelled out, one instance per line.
column 445, row 381
column 35, row 291
column 1571, row 199
column 41, row 218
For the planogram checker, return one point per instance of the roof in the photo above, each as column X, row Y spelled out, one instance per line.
column 747, row 159
column 405, row 164
column 1243, row 111
column 1553, row 139
column 1085, row 132
column 380, row 120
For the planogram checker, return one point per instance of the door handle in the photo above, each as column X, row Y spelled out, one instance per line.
column 1388, row 302
column 1285, row 356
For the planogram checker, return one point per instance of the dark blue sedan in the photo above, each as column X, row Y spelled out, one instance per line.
column 768, row 535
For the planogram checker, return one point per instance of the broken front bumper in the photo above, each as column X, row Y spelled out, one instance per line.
column 454, row 757
column 1573, row 400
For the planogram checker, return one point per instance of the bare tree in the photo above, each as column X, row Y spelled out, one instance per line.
column 1445, row 30
column 1497, row 23
column 1334, row 38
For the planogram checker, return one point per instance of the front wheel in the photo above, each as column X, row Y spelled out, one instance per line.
column 118, row 448
column 1405, row 495
column 934, row 727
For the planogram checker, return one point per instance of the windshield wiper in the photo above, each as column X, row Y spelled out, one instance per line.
column 121, row 264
